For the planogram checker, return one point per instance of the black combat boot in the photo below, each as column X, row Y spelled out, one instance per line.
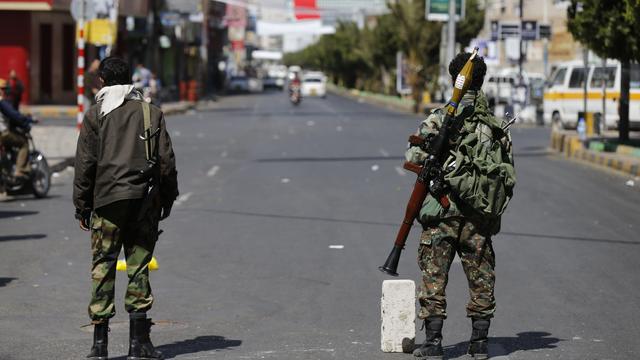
column 431, row 349
column 100, row 341
column 479, row 342
column 140, row 346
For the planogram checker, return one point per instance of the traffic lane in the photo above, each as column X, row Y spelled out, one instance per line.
column 570, row 241
column 301, row 167
column 374, row 253
column 523, row 153
column 282, row 261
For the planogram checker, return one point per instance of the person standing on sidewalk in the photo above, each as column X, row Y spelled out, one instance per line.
column 16, row 88
column 113, row 200
column 480, row 178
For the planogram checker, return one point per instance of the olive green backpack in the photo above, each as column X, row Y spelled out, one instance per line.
column 481, row 169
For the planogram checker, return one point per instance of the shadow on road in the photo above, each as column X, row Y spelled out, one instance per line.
column 524, row 341
column 12, row 213
column 22, row 237
column 196, row 345
column 4, row 281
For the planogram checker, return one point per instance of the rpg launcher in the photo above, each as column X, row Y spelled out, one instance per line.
column 430, row 176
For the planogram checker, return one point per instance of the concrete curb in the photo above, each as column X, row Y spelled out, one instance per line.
column 571, row 147
column 371, row 99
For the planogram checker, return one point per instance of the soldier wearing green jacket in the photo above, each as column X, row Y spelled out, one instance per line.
column 111, row 195
column 466, row 226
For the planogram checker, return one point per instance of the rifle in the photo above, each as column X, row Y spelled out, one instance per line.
column 151, row 173
column 430, row 175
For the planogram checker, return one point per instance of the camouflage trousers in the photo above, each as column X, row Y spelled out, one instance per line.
column 439, row 245
column 113, row 227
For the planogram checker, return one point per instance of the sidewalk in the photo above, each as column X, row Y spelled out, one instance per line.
column 600, row 153
column 70, row 111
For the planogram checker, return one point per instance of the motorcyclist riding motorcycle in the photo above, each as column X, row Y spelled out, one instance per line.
column 295, row 94
column 15, row 136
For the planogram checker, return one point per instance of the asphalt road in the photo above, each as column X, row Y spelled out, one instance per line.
column 246, row 268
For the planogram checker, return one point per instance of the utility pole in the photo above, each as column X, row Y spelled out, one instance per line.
column 80, row 79
column 204, row 47
column 451, row 27
column 521, row 57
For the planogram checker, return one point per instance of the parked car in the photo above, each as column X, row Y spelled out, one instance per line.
column 238, row 83
column 314, row 84
column 564, row 94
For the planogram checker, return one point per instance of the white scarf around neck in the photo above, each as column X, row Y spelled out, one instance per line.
column 110, row 98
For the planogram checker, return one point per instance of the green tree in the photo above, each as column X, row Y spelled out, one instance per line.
column 608, row 28
column 382, row 46
column 420, row 41
column 470, row 26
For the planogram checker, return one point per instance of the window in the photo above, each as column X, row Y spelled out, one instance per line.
column 635, row 76
column 601, row 75
column 578, row 78
column 558, row 78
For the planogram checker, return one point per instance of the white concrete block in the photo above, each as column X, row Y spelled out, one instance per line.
column 398, row 307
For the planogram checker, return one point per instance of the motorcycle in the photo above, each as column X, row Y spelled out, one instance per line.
column 37, row 182
column 294, row 95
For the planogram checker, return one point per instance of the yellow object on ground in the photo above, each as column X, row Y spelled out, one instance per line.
column 122, row 264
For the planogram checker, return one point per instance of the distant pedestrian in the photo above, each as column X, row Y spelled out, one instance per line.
column 479, row 178
column 141, row 77
column 123, row 187
column 15, row 90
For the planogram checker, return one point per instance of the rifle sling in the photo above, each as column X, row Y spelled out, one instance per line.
column 150, row 140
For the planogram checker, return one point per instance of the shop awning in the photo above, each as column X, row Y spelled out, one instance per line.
column 29, row 5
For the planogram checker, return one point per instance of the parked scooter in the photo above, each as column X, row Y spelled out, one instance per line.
column 38, row 180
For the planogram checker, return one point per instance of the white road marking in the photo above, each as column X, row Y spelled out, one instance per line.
column 213, row 171
column 375, row 167
column 400, row 171
column 336, row 246
column 384, row 152
column 183, row 198
column 285, row 180
column 311, row 123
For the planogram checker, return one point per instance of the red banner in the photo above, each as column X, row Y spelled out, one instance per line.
column 306, row 9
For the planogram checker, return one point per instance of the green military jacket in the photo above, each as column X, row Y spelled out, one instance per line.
column 110, row 156
column 473, row 103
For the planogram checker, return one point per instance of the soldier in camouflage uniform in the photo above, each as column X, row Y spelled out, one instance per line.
column 457, row 229
column 113, row 201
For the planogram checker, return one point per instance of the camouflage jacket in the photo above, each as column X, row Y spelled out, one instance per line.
column 473, row 103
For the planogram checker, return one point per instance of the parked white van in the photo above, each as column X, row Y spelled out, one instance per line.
column 564, row 94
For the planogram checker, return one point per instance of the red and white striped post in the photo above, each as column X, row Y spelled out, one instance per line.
column 81, row 64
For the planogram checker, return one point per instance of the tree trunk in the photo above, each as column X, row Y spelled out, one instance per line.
column 623, row 109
